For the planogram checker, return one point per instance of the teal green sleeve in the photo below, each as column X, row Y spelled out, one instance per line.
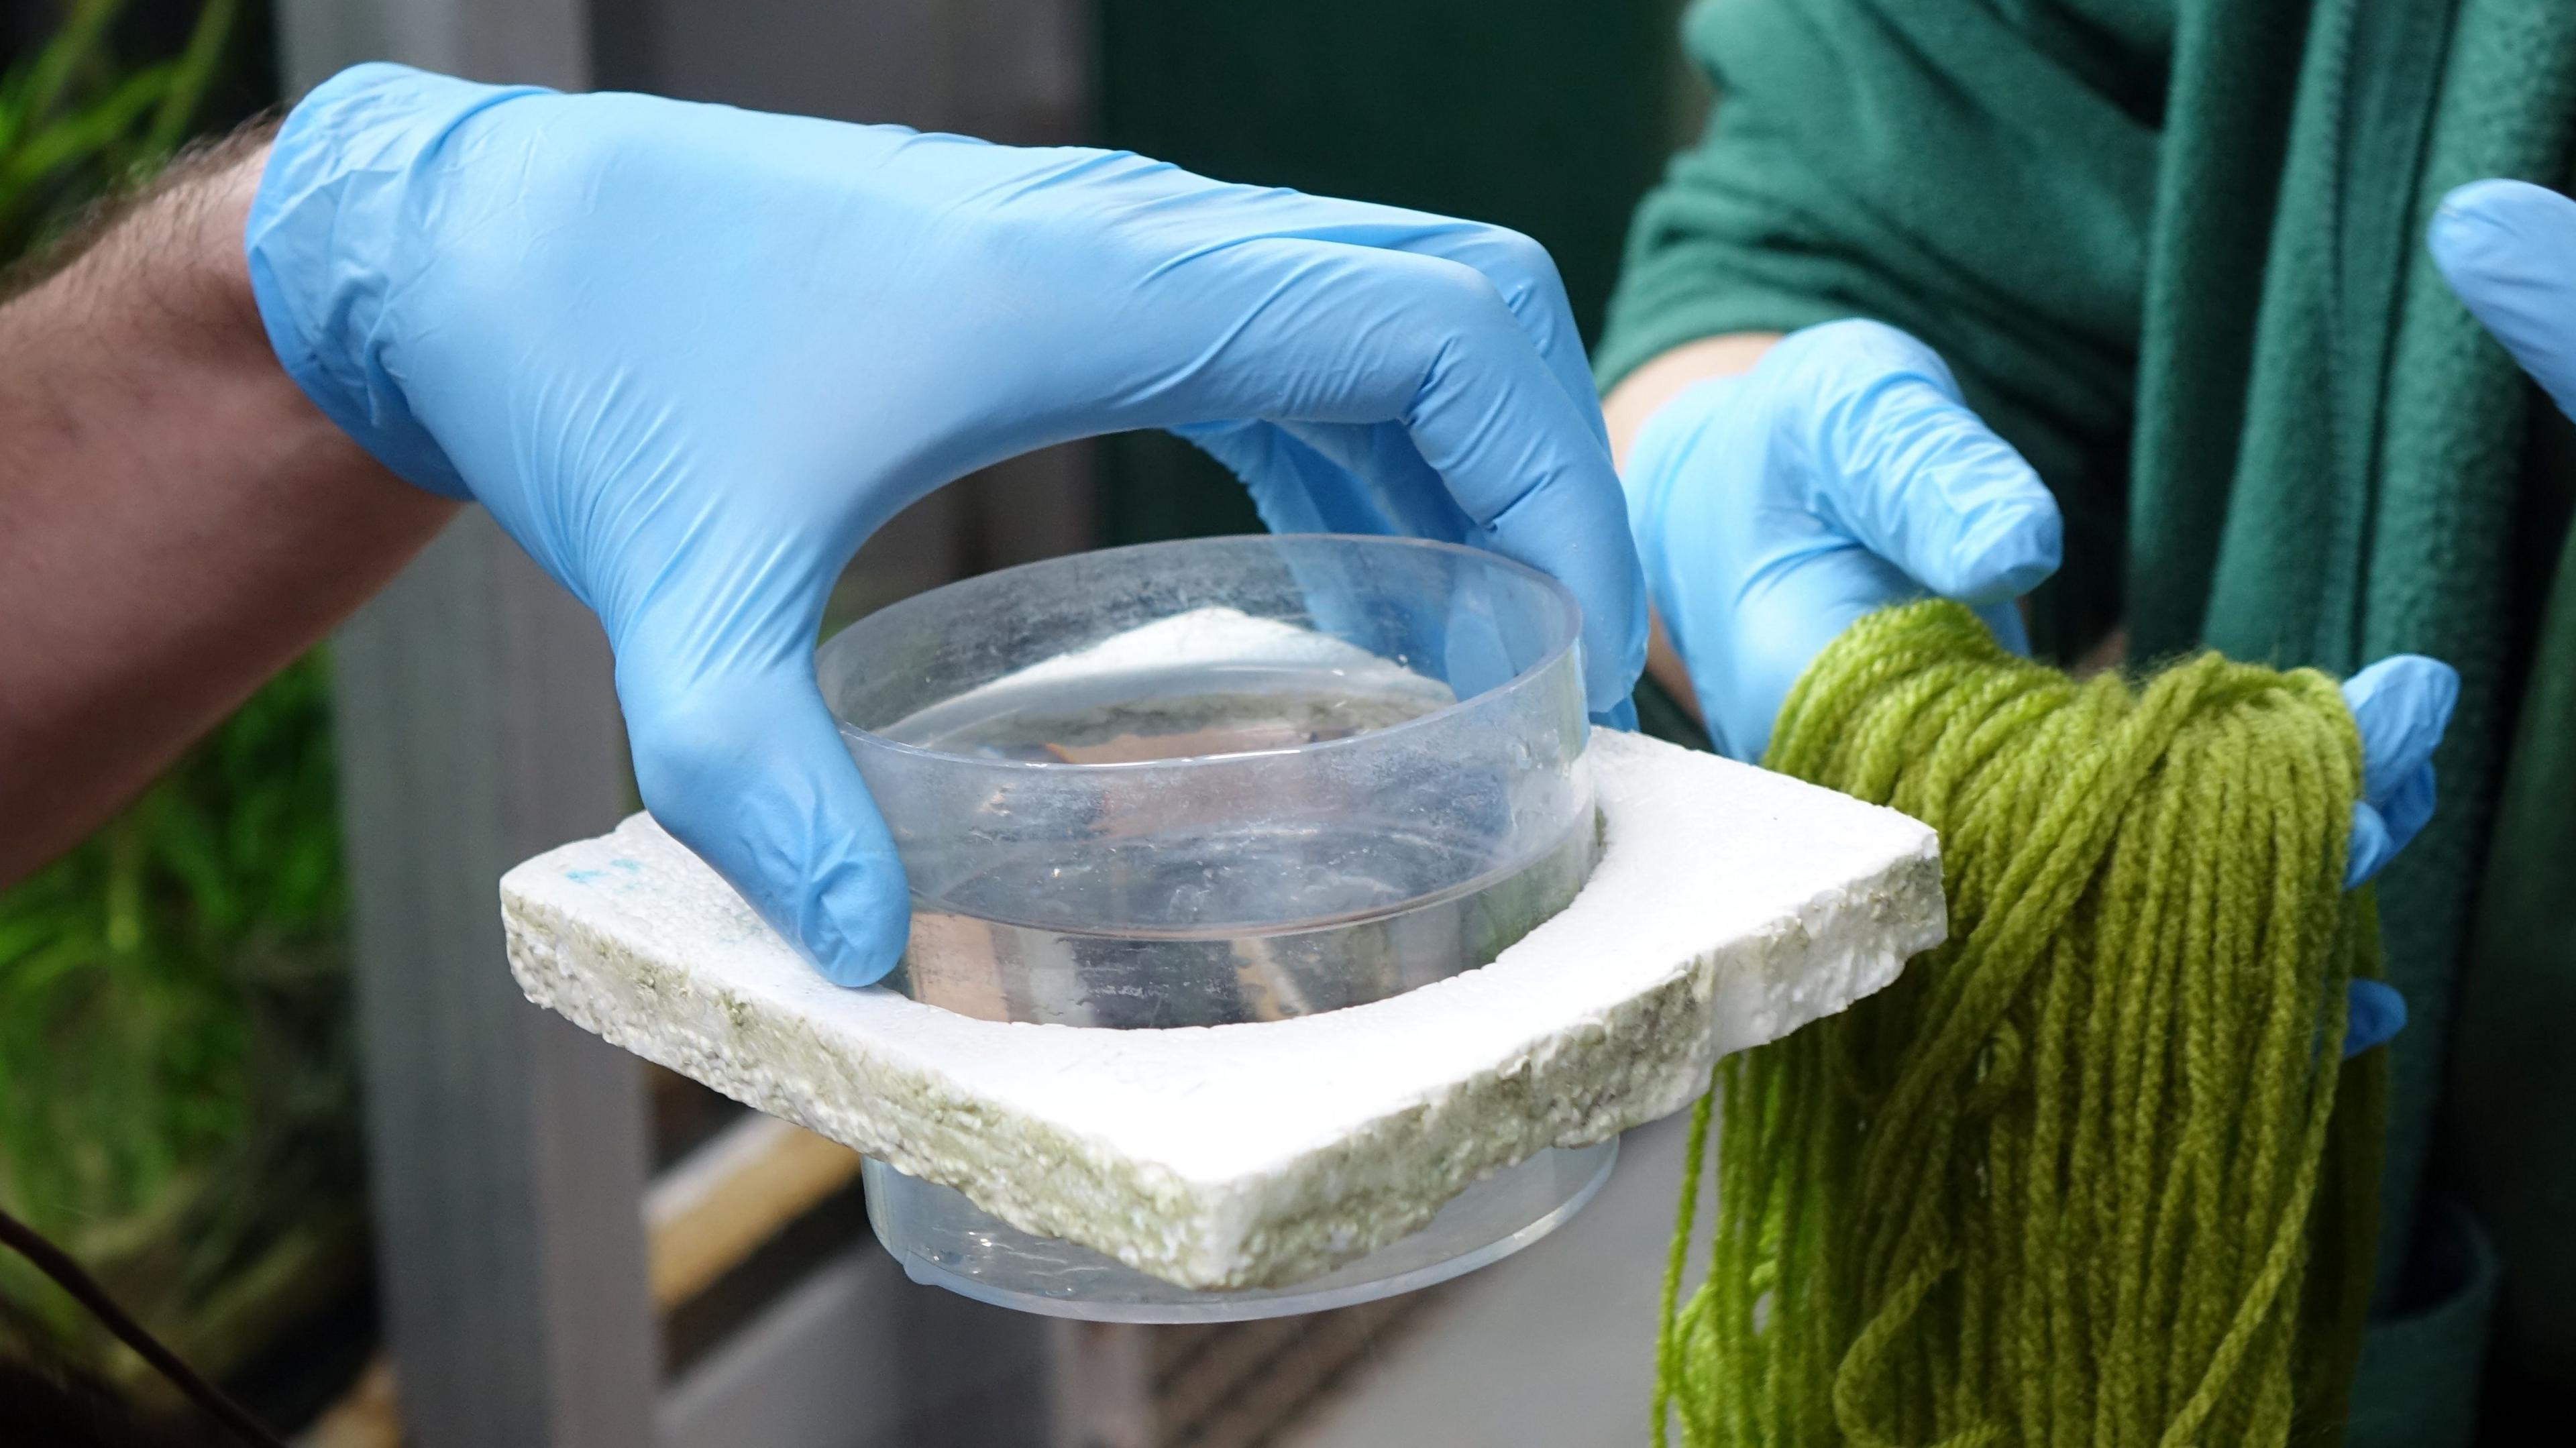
column 1979, row 174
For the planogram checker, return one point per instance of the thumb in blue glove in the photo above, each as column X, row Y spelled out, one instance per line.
column 1840, row 475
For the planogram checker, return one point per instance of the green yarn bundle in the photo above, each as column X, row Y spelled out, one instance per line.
column 2094, row 1171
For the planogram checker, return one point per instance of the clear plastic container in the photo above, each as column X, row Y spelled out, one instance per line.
column 1222, row 779
column 947, row 1241
column 1217, row 781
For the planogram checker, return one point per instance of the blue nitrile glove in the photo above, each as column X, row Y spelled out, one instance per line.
column 689, row 357
column 2508, row 248
column 1840, row 475
column 1843, row 474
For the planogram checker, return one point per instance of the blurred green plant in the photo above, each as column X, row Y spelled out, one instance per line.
column 176, row 1099
column 75, row 119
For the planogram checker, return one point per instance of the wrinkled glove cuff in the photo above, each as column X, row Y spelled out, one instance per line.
column 339, row 224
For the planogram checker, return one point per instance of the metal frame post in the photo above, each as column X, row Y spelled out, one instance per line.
column 476, row 724
column 507, row 1147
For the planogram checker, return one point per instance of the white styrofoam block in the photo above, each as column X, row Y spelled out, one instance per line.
column 1730, row 906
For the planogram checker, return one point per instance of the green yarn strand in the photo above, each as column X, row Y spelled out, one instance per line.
column 2094, row 1171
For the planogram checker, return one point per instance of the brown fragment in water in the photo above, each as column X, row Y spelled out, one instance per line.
column 1192, row 744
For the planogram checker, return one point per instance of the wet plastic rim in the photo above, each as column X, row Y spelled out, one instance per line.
column 1568, row 624
column 1276, row 1302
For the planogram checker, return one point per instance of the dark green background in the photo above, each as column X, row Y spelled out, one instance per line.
column 1548, row 116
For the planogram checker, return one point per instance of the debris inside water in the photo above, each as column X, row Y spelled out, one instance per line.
column 1260, row 921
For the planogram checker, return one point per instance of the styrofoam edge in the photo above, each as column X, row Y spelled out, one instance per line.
column 1143, row 1179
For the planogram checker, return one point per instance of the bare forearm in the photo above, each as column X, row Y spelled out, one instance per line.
column 176, row 519
column 1627, row 409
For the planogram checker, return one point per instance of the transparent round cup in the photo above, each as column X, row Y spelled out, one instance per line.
column 1223, row 779
column 947, row 1241
column 1216, row 781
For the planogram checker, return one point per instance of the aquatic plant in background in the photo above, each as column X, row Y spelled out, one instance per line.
column 176, row 1097
column 75, row 119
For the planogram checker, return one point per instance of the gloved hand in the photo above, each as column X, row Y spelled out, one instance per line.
column 1842, row 474
column 2508, row 249
column 689, row 357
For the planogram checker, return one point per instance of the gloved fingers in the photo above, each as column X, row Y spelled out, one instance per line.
column 1332, row 478
column 1751, row 583
column 1292, row 489
column 1339, row 477
column 1782, row 619
column 1526, row 277
column 1296, row 490
column 1531, row 469
column 2409, row 807
column 2400, row 707
column 747, row 768
column 2373, row 1012
column 2004, row 621
column 1897, row 460
column 2380, row 830
column 2508, row 249
column 1519, row 269
column 2367, row 851
column 1351, row 336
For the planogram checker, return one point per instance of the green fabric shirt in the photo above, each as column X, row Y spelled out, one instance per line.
column 2172, row 249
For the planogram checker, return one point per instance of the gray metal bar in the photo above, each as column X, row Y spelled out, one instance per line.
column 507, row 1147
column 1101, row 1385
column 477, row 725
column 1555, row 1345
column 539, row 42
column 841, row 1325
